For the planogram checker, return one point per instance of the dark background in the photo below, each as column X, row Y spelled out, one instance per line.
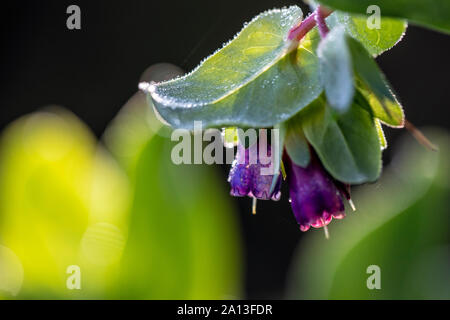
column 93, row 72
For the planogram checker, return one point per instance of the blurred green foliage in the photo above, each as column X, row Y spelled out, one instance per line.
column 401, row 225
column 184, row 241
column 62, row 202
column 138, row 226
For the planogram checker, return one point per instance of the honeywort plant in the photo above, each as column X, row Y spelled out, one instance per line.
column 316, row 81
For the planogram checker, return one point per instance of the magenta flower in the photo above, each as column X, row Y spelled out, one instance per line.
column 246, row 178
column 314, row 196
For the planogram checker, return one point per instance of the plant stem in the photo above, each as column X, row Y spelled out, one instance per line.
column 299, row 31
column 320, row 20
column 420, row 137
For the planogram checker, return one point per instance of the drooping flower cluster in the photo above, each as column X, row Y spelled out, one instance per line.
column 315, row 196
column 324, row 91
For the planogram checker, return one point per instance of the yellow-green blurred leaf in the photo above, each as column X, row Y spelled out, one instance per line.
column 183, row 240
column 56, row 188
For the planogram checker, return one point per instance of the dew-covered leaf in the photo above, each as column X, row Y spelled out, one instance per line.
column 347, row 144
column 376, row 41
column 432, row 14
column 336, row 69
column 256, row 80
column 374, row 86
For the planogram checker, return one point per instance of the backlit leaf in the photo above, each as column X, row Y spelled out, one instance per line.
column 433, row 14
column 257, row 80
column 347, row 144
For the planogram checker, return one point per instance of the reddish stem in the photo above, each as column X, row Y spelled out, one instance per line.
column 320, row 20
column 420, row 137
column 299, row 31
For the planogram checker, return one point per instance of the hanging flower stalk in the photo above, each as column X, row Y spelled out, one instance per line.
column 316, row 81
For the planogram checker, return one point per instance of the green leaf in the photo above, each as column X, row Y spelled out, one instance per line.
column 347, row 144
column 182, row 234
column 374, row 86
column 296, row 144
column 376, row 41
column 381, row 137
column 341, row 59
column 336, row 69
column 256, row 80
column 432, row 14
column 63, row 201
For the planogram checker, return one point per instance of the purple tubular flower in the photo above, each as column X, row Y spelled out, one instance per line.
column 246, row 178
column 314, row 197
